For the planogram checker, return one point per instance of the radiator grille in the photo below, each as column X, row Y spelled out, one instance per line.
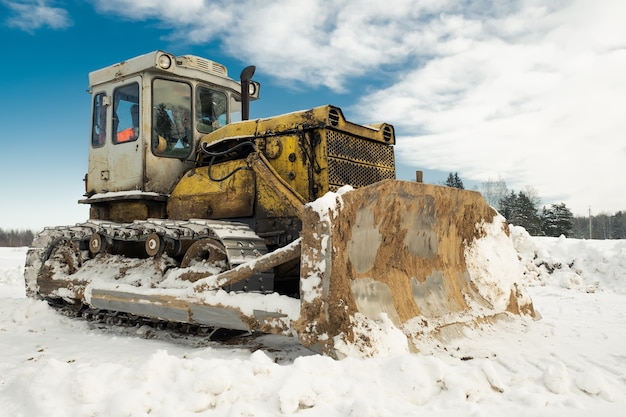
column 357, row 162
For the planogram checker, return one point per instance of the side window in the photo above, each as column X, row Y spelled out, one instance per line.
column 171, row 118
column 99, row 121
column 235, row 109
column 126, row 113
column 210, row 109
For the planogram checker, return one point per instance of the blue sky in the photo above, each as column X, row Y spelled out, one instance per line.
column 530, row 92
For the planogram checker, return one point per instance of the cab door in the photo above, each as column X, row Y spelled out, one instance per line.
column 116, row 152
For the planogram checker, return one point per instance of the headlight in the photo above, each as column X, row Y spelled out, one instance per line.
column 253, row 89
column 164, row 61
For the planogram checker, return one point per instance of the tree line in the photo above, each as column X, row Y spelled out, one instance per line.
column 521, row 208
column 600, row 226
column 15, row 238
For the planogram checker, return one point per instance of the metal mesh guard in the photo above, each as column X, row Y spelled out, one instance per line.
column 357, row 162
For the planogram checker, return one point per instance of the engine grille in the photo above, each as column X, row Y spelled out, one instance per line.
column 357, row 162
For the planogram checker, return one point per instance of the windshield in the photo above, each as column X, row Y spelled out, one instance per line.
column 171, row 118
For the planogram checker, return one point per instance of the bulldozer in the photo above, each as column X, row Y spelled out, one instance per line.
column 293, row 224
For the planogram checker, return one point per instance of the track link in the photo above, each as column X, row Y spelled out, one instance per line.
column 240, row 242
column 124, row 320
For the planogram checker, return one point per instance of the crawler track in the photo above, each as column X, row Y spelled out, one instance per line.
column 125, row 320
column 241, row 244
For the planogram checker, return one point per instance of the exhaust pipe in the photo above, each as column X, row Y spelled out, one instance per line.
column 245, row 77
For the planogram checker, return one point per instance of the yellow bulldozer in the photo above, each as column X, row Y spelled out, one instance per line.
column 293, row 224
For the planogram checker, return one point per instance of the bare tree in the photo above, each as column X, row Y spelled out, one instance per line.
column 493, row 191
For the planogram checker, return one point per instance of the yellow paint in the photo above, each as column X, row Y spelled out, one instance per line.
column 198, row 196
column 298, row 152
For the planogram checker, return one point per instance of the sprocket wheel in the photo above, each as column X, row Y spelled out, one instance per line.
column 208, row 251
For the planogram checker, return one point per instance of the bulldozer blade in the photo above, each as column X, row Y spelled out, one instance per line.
column 410, row 251
column 171, row 309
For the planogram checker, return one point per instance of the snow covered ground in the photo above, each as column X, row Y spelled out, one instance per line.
column 572, row 362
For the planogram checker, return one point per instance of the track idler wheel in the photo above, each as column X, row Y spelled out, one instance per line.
column 97, row 244
column 154, row 245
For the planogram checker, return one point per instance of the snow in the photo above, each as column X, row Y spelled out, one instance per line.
column 488, row 262
column 115, row 194
column 571, row 362
column 372, row 338
column 326, row 207
column 154, row 282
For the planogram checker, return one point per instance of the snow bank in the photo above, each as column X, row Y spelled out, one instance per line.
column 570, row 363
column 584, row 265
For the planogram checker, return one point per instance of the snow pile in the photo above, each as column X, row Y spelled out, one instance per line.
column 585, row 265
column 491, row 262
column 569, row 363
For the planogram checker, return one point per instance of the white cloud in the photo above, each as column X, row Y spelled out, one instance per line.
column 536, row 97
column 531, row 91
column 313, row 42
column 32, row 15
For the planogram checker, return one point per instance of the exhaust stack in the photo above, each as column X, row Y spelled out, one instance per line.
column 245, row 77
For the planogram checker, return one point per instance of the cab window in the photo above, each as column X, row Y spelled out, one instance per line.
column 171, row 118
column 210, row 109
column 235, row 109
column 99, row 121
column 126, row 113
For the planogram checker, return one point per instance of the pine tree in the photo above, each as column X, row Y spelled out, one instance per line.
column 519, row 210
column 557, row 220
column 507, row 206
column 454, row 181
column 528, row 215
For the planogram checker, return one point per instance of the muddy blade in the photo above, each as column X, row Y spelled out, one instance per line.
column 170, row 309
column 394, row 247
